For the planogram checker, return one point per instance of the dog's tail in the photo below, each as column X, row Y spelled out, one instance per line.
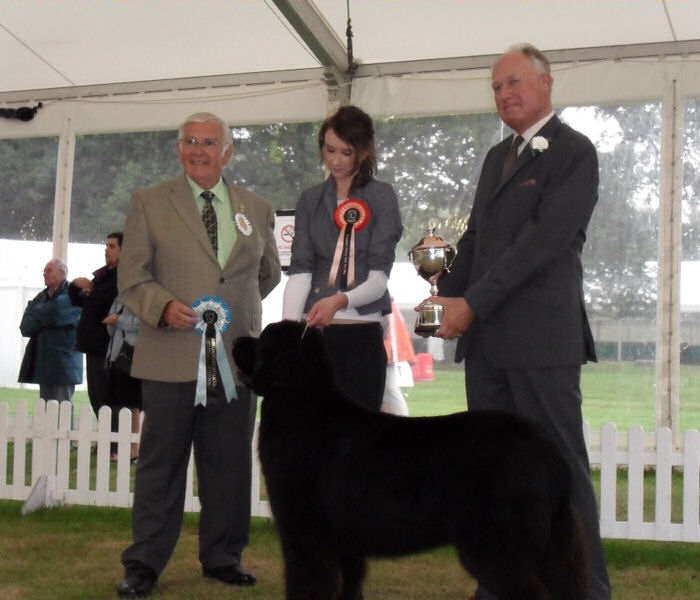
column 567, row 564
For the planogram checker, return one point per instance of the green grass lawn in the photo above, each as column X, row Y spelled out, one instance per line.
column 621, row 393
column 14, row 395
column 72, row 553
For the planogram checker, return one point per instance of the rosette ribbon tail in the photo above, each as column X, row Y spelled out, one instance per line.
column 344, row 259
column 213, row 365
column 204, row 372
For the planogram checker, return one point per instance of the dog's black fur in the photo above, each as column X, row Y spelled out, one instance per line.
column 345, row 483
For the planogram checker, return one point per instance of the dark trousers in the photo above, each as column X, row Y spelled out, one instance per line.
column 358, row 358
column 96, row 375
column 221, row 435
column 552, row 397
column 57, row 391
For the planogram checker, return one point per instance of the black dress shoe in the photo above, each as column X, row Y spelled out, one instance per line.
column 138, row 582
column 232, row 574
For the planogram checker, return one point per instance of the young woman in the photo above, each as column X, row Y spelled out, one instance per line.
column 346, row 231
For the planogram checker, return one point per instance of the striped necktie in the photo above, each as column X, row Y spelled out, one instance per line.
column 209, row 219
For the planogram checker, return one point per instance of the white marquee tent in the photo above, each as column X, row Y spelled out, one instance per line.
column 133, row 65
column 136, row 44
column 273, row 59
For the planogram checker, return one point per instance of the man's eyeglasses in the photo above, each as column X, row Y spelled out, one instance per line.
column 207, row 144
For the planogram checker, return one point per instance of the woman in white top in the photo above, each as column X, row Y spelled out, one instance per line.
column 346, row 231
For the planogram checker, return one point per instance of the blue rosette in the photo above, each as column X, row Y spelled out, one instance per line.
column 213, row 318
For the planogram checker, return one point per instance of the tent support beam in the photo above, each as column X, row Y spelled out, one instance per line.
column 323, row 42
column 333, row 71
column 574, row 55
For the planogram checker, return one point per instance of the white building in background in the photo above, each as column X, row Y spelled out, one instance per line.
column 22, row 264
column 690, row 286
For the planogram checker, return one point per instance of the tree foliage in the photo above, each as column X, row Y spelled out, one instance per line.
column 623, row 233
column 28, row 168
column 277, row 161
column 108, row 168
column 433, row 163
column 691, row 182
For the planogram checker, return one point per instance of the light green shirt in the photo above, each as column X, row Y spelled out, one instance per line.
column 226, row 230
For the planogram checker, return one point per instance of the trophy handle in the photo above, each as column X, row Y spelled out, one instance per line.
column 452, row 252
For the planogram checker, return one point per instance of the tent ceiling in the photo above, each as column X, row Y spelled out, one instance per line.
column 63, row 48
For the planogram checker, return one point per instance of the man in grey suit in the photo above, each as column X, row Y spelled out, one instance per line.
column 514, row 292
column 186, row 239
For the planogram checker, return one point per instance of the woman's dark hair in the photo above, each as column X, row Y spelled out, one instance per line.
column 353, row 126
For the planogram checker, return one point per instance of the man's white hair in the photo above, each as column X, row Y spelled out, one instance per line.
column 205, row 117
column 60, row 265
column 536, row 56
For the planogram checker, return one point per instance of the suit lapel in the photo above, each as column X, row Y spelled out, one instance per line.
column 186, row 208
column 548, row 131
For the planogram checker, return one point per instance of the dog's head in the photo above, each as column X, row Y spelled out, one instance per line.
column 286, row 355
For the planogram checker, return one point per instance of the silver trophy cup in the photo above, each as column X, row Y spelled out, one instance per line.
column 431, row 257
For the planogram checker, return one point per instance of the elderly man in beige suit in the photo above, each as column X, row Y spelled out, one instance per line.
column 175, row 253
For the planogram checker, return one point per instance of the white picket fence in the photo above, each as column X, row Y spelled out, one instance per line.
column 638, row 452
column 49, row 435
column 51, row 432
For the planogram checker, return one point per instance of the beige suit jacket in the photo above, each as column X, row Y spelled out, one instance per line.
column 166, row 255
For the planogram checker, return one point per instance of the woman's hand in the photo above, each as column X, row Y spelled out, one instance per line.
column 111, row 319
column 322, row 313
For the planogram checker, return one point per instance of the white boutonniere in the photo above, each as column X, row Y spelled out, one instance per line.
column 539, row 144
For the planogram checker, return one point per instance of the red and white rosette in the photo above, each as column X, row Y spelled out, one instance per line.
column 350, row 216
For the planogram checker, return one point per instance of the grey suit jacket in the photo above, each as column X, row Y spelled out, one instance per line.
column 316, row 236
column 518, row 264
column 166, row 255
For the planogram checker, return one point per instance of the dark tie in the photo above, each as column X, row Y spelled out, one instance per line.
column 511, row 156
column 209, row 219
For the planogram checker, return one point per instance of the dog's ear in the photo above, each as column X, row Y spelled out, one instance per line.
column 244, row 349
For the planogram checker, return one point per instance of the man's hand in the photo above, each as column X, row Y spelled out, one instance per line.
column 456, row 316
column 178, row 315
column 322, row 313
column 83, row 283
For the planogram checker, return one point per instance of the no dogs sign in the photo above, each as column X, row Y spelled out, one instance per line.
column 284, row 234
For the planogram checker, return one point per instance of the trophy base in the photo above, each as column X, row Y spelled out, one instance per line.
column 428, row 321
column 425, row 330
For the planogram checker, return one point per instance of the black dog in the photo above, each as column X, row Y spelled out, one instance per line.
column 345, row 483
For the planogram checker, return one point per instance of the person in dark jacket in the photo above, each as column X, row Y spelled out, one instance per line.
column 95, row 298
column 514, row 293
column 49, row 321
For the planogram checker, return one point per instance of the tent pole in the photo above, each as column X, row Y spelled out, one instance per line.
column 64, row 185
column 668, row 300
